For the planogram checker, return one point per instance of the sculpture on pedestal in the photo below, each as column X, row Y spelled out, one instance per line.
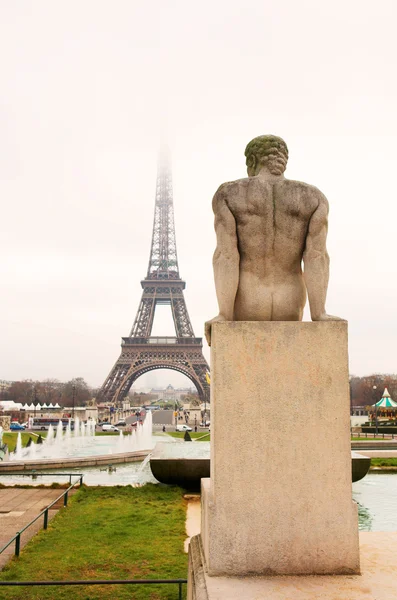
column 266, row 226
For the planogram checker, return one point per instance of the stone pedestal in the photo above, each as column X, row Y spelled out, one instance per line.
column 279, row 500
column 377, row 580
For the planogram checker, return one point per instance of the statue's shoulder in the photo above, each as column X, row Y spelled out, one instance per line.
column 307, row 190
column 230, row 186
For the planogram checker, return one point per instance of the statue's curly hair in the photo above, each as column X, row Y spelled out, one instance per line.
column 269, row 150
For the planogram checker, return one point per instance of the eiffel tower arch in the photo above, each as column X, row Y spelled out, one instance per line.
column 140, row 351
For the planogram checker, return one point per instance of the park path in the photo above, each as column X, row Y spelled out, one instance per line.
column 18, row 507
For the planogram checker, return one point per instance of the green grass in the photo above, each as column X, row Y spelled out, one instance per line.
column 10, row 438
column 202, row 436
column 383, row 462
column 107, row 533
column 372, row 439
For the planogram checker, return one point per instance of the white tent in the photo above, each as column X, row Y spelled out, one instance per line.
column 10, row 405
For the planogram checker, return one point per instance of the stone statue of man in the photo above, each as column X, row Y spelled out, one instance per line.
column 266, row 226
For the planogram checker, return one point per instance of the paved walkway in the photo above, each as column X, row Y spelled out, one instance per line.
column 17, row 508
column 378, row 453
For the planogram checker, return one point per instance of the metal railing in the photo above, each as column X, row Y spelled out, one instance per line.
column 376, row 436
column 178, row 582
column 43, row 513
column 84, row 582
column 162, row 341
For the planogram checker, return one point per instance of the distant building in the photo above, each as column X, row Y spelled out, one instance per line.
column 171, row 394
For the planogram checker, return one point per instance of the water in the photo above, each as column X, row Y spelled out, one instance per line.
column 376, row 496
column 125, row 474
column 18, row 449
column 82, row 442
column 182, row 450
column 376, row 493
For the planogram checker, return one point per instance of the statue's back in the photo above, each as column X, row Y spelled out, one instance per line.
column 271, row 219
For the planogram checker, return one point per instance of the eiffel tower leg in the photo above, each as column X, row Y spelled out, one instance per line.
column 181, row 318
column 139, row 358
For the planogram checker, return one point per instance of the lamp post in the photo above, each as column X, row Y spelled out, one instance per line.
column 35, row 401
column 376, row 410
column 205, row 407
column 73, row 398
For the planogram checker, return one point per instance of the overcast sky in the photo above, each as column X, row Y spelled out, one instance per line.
column 89, row 88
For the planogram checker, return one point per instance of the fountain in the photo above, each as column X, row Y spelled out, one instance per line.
column 18, row 448
column 79, row 445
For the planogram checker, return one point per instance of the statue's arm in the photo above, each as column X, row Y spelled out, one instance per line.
column 226, row 261
column 226, row 258
column 316, row 262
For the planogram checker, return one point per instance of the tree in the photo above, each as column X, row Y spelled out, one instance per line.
column 49, row 391
column 21, row 391
column 362, row 388
column 77, row 388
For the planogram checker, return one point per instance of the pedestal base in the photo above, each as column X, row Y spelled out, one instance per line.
column 376, row 582
column 279, row 501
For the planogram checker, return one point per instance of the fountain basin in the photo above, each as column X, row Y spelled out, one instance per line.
column 186, row 463
column 360, row 466
column 75, row 461
column 181, row 463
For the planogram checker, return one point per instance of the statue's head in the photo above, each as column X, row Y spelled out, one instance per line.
column 266, row 151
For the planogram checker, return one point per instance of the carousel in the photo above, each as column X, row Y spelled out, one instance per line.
column 385, row 409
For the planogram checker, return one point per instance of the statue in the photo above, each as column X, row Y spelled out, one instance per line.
column 266, row 226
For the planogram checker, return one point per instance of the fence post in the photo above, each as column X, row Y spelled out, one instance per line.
column 70, row 480
column 180, row 591
column 46, row 519
column 17, row 544
column 65, row 499
column 81, row 481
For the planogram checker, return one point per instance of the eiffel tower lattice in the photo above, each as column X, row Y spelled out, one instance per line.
column 140, row 352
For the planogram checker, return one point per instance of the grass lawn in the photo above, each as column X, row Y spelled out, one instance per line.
column 383, row 462
column 200, row 437
column 10, row 438
column 107, row 533
column 372, row 439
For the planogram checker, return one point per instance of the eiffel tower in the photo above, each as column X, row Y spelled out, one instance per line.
column 140, row 352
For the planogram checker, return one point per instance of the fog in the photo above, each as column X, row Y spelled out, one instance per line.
column 89, row 91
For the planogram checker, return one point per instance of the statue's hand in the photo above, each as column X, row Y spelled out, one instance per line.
column 208, row 326
column 325, row 317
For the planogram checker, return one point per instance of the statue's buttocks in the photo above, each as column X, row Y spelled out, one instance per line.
column 266, row 225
